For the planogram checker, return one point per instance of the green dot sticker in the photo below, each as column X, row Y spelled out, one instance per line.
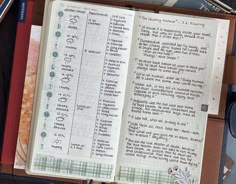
column 52, row 74
column 46, row 114
column 49, row 94
column 55, row 54
column 58, row 34
column 43, row 134
column 60, row 13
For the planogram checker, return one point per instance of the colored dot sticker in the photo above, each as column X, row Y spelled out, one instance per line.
column 60, row 13
column 43, row 134
column 58, row 34
column 52, row 74
column 46, row 114
column 55, row 54
column 49, row 94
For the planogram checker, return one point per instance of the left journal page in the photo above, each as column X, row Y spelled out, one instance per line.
column 80, row 90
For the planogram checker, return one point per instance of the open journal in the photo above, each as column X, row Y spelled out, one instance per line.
column 124, row 95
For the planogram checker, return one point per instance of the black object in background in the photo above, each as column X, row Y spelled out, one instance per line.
column 7, row 42
column 231, row 114
column 231, row 3
column 232, row 119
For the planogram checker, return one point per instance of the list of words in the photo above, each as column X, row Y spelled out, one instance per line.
column 85, row 77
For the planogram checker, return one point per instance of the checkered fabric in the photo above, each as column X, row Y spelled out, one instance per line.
column 144, row 176
column 51, row 164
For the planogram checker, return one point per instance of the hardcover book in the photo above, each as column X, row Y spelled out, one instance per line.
column 124, row 95
column 27, row 100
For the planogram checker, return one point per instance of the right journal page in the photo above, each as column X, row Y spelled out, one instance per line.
column 167, row 99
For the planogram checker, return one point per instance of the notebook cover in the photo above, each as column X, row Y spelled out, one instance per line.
column 214, row 125
column 212, row 152
column 16, row 88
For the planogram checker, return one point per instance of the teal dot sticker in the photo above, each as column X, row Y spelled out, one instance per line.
column 58, row 34
column 49, row 94
column 52, row 74
column 46, row 114
column 60, row 13
column 43, row 134
column 55, row 54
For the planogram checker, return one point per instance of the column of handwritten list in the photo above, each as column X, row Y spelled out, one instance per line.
column 85, row 77
column 89, row 87
column 99, row 104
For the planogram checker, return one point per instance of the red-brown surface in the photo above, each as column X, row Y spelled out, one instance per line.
column 16, row 88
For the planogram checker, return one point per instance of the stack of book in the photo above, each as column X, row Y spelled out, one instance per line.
column 112, row 91
column 4, row 7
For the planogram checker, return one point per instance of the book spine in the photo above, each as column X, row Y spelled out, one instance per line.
column 22, row 11
column 16, row 85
